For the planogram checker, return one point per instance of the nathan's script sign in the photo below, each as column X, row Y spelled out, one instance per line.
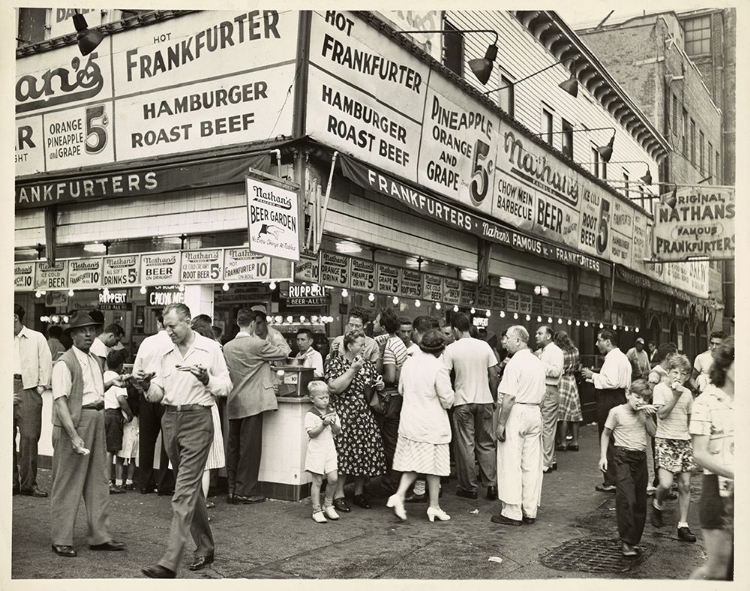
column 121, row 270
column 160, row 269
column 52, row 276
column 334, row 270
column 308, row 267
column 85, row 273
column 272, row 220
column 241, row 264
column 701, row 224
column 201, row 266
column 24, row 275
column 363, row 275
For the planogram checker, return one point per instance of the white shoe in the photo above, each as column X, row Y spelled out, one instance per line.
column 394, row 501
column 439, row 513
column 330, row 512
column 318, row 517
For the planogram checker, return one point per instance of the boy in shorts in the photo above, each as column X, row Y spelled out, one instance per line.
column 674, row 449
column 630, row 423
column 321, row 424
column 115, row 405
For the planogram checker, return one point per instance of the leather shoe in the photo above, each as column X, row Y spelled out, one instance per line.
column 67, row 551
column 361, row 501
column 340, row 505
column 165, row 493
column 111, row 546
column 202, row 562
column 467, row 494
column 685, row 534
column 252, row 499
column 503, row 520
column 146, row 490
column 529, row 520
column 157, row 571
column 34, row 492
column 116, row 490
column 412, row 498
column 492, row 493
column 610, row 488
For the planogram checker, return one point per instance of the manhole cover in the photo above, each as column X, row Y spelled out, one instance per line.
column 592, row 556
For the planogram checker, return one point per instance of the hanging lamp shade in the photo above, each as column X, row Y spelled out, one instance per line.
column 670, row 199
column 570, row 85
column 88, row 40
column 646, row 178
column 606, row 151
column 482, row 68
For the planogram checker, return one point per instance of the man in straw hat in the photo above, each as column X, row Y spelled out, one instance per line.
column 79, row 460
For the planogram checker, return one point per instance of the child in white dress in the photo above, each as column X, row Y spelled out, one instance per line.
column 321, row 424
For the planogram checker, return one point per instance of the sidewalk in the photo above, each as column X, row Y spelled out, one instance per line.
column 278, row 539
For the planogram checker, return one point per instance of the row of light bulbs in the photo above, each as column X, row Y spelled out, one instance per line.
column 290, row 319
column 40, row 293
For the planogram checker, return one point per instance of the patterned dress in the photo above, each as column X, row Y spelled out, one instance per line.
column 359, row 445
column 570, row 402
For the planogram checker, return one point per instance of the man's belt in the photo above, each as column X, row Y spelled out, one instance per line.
column 529, row 403
column 17, row 376
column 184, row 407
column 94, row 406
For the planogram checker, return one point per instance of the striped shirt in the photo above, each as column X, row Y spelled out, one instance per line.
column 675, row 424
column 628, row 427
column 395, row 354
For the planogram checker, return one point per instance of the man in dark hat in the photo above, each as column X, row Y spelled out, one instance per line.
column 79, row 460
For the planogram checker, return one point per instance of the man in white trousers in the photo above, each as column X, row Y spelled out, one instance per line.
column 519, row 432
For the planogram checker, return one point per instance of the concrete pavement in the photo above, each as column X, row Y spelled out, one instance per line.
column 279, row 540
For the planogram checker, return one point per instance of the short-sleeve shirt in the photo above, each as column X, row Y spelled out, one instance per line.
column 524, row 378
column 713, row 415
column 676, row 424
column 99, row 349
column 628, row 427
column 703, row 362
column 114, row 392
column 470, row 358
column 395, row 353
column 313, row 421
column 658, row 375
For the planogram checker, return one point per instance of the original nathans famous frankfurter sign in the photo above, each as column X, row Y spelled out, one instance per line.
column 701, row 224
column 198, row 82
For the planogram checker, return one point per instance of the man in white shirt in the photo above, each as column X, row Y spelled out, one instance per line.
column 104, row 342
column 476, row 390
column 189, row 374
column 639, row 359
column 405, row 331
column 149, row 418
column 308, row 353
column 357, row 320
column 553, row 359
column 32, row 367
column 519, row 432
column 702, row 365
column 611, row 383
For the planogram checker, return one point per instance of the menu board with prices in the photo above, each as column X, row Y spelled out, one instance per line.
column 85, row 273
column 432, row 288
column 513, row 301
column 334, row 270
column 160, row 269
column 536, row 306
column 24, row 273
column 308, row 267
column 558, row 308
column 468, row 294
column 52, row 276
column 525, row 303
column 548, row 307
column 499, row 299
column 201, row 266
column 363, row 275
column 389, row 280
column 411, row 284
column 121, row 270
column 484, row 297
column 451, row 291
column 242, row 264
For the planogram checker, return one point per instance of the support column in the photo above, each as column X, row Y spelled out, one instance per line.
column 200, row 299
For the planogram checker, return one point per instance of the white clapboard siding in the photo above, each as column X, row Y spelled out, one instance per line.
column 519, row 55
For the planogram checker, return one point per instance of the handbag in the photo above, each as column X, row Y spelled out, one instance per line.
column 374, row 400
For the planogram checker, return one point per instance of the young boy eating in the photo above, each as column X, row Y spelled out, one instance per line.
column 630, row 423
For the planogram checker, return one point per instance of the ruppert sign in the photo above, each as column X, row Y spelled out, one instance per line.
column 201, row 81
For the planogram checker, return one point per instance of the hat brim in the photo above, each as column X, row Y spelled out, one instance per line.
column 70, row 329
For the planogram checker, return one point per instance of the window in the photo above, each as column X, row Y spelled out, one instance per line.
column 692, row 142
column 31, row 23
column 595, row 161
column 626, row 184
column 710, row 161
column 718, row 169
column 567, row 139
column 453, row 50
column 604, row 170
column 675, row 120
column 702, row 155
column 684, row 132
column 506, row 97
column 698, row 35
column 548, row 122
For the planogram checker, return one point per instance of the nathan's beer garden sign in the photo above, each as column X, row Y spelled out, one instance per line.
column 700, row 225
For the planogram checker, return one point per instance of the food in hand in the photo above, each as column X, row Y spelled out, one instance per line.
column 85, row 451
column 676, row 385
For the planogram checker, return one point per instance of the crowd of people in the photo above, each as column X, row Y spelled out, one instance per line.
column 402, row 406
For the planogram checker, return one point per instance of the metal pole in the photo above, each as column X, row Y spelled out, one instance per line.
column 325, row 202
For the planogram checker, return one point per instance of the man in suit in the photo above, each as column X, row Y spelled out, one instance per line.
column 32, row 366
column 248, row 356
column 189, row 373
column 79, row 458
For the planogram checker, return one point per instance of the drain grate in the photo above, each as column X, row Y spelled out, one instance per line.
column 591, row 555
